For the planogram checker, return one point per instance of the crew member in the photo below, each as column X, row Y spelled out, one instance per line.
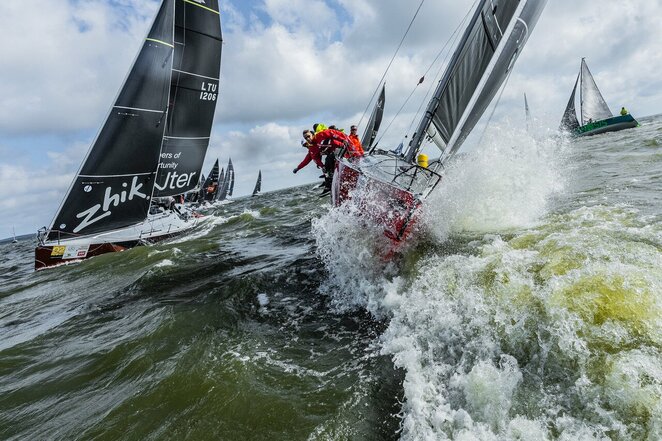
column 356, row 142
column 313, row 152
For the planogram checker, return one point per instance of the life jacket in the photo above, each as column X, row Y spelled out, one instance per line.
column 356, row 144
column 336, row 138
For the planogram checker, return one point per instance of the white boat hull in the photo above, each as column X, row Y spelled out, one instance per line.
column 155, row 228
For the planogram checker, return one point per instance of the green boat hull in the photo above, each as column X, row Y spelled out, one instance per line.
column 612, row 124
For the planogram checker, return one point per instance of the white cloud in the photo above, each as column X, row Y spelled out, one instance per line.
column 287, row 64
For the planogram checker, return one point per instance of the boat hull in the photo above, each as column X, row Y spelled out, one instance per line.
column 612, row 124
column 156, row 228
column 396, row 209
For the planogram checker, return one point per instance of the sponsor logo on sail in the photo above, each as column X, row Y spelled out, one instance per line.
column 174, row 181
column 110, row 200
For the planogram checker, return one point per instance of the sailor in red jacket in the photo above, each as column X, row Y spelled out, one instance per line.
column 313, row 152
column 356, row 142
column 337, row 140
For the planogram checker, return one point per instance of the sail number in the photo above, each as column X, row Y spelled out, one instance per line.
column 208, row 91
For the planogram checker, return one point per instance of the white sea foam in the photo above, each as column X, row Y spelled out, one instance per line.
column 164, row 263
column 506, row 184
column 552, row 333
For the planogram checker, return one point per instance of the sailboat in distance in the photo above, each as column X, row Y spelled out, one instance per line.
column 151, row 145
column 13, row 230
column 390, row 186
column 527, row 114
column 258, row 184
column 594, row 112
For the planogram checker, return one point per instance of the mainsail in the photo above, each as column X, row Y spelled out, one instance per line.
column 375, row 121
column 483, row 59
column 258, row 184
column 114, row 185
column 593, row 105
column 569, row 121
column 193, row 96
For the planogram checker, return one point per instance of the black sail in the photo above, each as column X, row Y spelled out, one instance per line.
column 210, row 187
column 226, row 183
column 375, row 121
column 114, row 185
column 569, row 121
column 258, row 184
column 231, row 179
column 221, row 183
column 497, row 27
column 193, row 95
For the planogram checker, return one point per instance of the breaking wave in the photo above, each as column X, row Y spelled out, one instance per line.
column 512, row 322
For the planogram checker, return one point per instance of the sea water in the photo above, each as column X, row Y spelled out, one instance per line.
column 528, row 306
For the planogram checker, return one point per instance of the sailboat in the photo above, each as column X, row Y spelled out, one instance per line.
column 14, row 240
column 258, row 184
column 210, row 187
column 371, row 129
column 230, row 179
column 390, row 186
column 527, row 114
column 595, row 115
column 151, row 145
column 226, row 183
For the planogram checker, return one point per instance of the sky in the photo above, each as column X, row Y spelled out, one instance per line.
column 287, row 64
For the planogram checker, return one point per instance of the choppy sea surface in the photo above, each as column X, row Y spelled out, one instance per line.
column 527, row 307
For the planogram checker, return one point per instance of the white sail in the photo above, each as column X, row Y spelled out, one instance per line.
column 593, row 105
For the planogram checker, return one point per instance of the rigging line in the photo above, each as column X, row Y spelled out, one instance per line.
column 391, row 62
